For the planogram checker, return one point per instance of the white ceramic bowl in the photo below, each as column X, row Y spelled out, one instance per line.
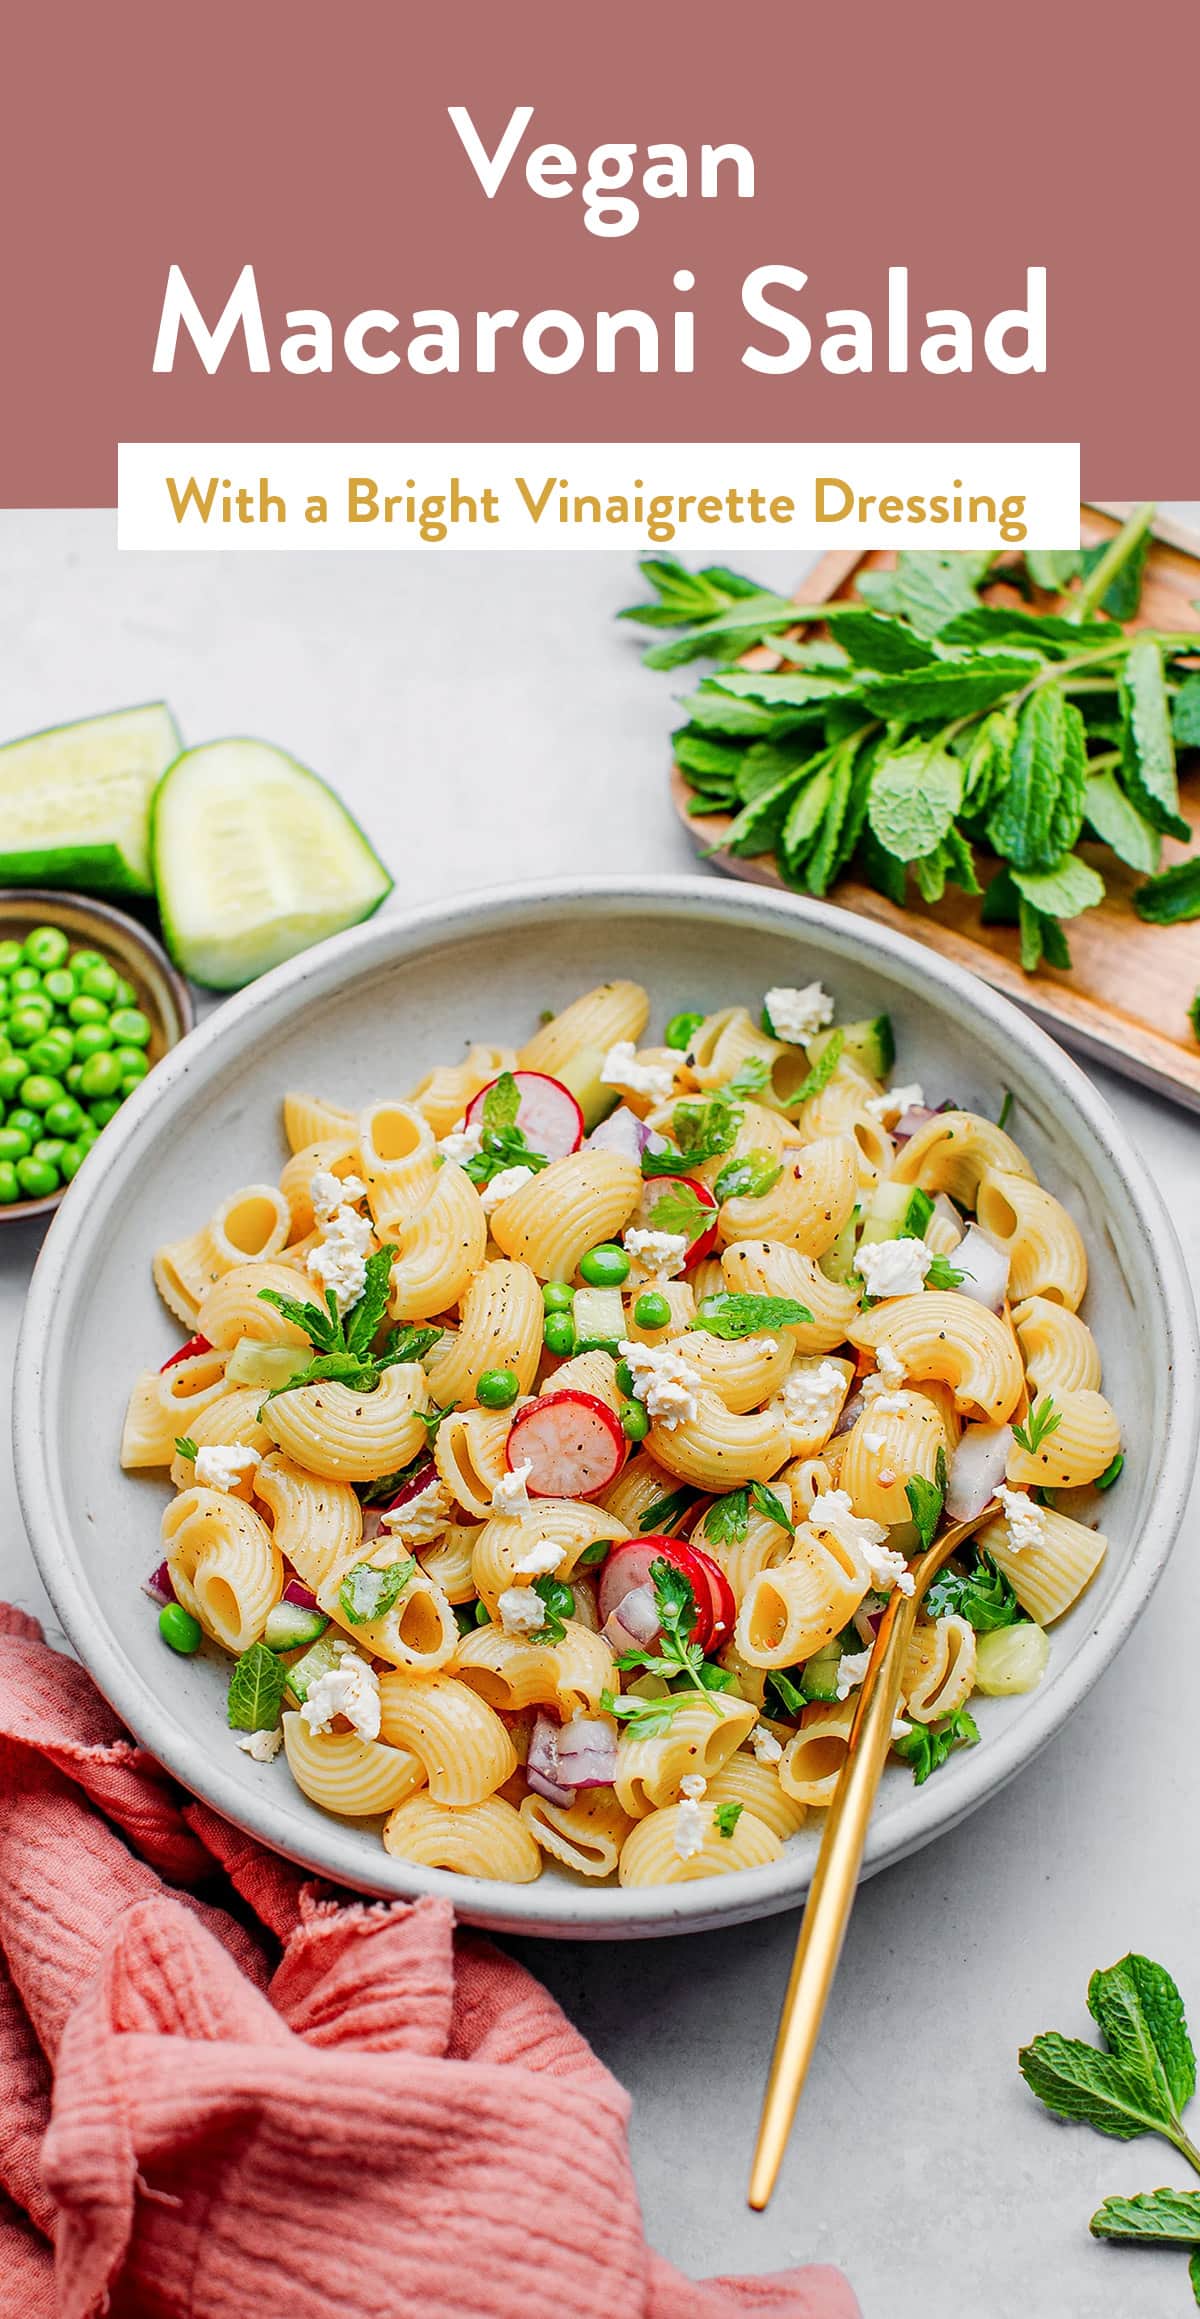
column 368, row 1013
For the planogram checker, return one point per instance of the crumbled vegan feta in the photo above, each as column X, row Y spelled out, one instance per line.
column 894, row 1102
column 833, row 1511
column 689, row 1829
column 813, row 1396
column 621, row 1068
column 663, row 1253
column 339, row 1261
column 1024, row 1521
column 221, row 1465
column 664, row 1381
column 797, row 1015
column 542, row 1560
column 693, row 1786
column 767, row 1749
column 894, row 1267
column 522, row 1611
column 509, row 1180
column 874, row 1442
column 889, row 1371
column 511, row 1493
column 887, row 1568
column 462, row 1143
column 423, row 1518
column 350, row 1689
column 264, row 1746
column 851, row 1671
column 329, row 1192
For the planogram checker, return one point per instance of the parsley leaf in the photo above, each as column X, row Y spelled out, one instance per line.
column 558, row 1602
column 733, row 1315
column 368, row 1592
column 751, row 1177
column 644, row 1718
column 765, row 1502
column 383, row 1490
column 983, row 1596
column 666, row 1512
column 1043, row 1420
column 925, row 1503
column 727, row 1521
column 943, row 1274
column 256, row 1689
column 751, row 1076
column 680, row 1210
column 727, row 1816
column 929, row 1745
column 186, row 1446
column 791, row 1700
column 676, row 1653
column 704, row 1130
column 1141, row 2079
column 822, row 1071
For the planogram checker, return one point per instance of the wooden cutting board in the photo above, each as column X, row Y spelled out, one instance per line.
column 1125, row 1001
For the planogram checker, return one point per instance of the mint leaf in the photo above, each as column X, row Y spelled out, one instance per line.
column 320, row 1327
column 256, row 1689
column 751, row 1076
column 726, row 1817
column 1116, row 819
column 1025, row 824
column 1141, row 2083
column 877, row 639
column 382, row 1491
column 680, row 1210
column 1139, row 2011
column 766, row 1503
column 1164, row 2217
column 983, row 1596
column 408, row 1343
column 1068, row 886
column 928, row 587
column 943, row 1274
column 1077, row 2081
column 732, row 1315
column 369, row 1592
column 702, row 1131
column 925, row 1504
column 1147, row 749
column 501, row 1103
column 916, row 790
column 186, row 1446
column 1185, row 716
column 791, row 1700
column 728, row 1519
column 950, row 688
column 363, row 1319
column 558, row 1602
column 331, row 1369
column 929, row 1745
column 665, row 1512
column 823, row 1069
column 750, row 1177
column 1174, row 897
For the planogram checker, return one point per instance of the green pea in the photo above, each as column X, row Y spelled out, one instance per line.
column 12, row 1073
column 87, row 1134
column 24, row 978
column 40, row 1091
column 131, row 1027
column 132, row 1061
column 26, row 1123
column 46, row 946
column 558, row 1296
column 10, row 1189
column 681, row 1030
column 105, row 1110
column 605, row 1266
column 49, row 1149
column 497, row 1388
column 635, row 1424
column 101, row 1075
column 87, row 1010
column 91, row 1039
column 559, row 1332
column 59, row 985
column 81, row 960
column 65, row 1118
column 483, row 1616
column 52, row 1052
column 652, row 1310
column 625, row 1379
column 125, row 994
column 10, row 956
column 180, row 1630
column 74, row 1155
column 99, row 982
column 27, row 1024
column 36, row 1178
column 13, row 1145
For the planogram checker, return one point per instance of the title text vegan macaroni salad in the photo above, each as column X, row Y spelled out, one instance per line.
column 550, row 1437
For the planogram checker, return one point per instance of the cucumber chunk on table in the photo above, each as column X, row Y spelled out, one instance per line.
column 254, row 859
column 75, row 801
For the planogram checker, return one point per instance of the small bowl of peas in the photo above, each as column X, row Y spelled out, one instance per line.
column 88, row 1004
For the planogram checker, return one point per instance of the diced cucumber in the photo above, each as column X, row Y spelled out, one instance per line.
column 581, row 1073
column 838, row 1262
column 289, row 1627
column 254, row 859
column 316, row 1662
column 599, row 1317
column 870, row 1044
column 896, row 1212
column 266, row 1366
column 75, row 801
column 818, row 1676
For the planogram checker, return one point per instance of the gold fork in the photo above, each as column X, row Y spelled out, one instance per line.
column 839, row 1860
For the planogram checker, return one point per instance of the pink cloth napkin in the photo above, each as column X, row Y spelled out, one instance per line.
column 225, row 2090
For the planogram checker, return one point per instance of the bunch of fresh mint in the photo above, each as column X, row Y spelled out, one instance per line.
column 928, row 728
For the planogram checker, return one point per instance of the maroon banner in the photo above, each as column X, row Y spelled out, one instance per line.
column 904, row 162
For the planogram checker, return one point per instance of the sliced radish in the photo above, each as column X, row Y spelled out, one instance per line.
column 372, row 1520
column 573, row 1443
column 548, row 1115
column 627, row 1571
column 188, row 1352
column 722, row 1604
column 704, row 1238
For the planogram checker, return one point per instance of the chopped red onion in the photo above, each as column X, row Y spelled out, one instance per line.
column 622, row 1131
column 984, row 1267
column 917, row 1115
column 296, row 1591
column 158, row 1586
column 851, row 1412
column 635, row 1619
column 541, row 1765
column 587, row 1752
column 978, row 1464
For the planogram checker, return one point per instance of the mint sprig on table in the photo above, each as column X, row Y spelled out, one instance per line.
column 931, row 735
column 344, row 1346
column 1139, row 2081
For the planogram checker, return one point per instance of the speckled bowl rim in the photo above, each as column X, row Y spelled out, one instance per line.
column 554, row 1907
